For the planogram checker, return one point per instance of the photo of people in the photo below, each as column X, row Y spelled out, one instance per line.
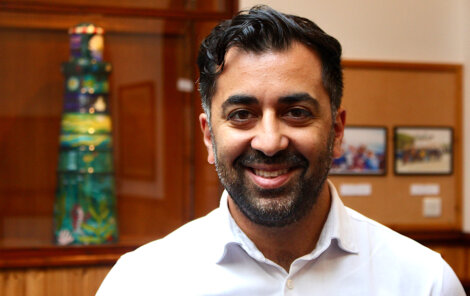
column 423, row 150
column 363, row 152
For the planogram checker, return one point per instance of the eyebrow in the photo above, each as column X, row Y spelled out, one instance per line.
column 299, row 97
column 284, row 100
column 239, row 100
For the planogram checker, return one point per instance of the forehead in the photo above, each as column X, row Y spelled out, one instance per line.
column 270, row 74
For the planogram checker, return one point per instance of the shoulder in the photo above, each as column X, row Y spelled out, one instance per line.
column 196, row 236
column 377, row 238
column 403, row 261
column 163, row 261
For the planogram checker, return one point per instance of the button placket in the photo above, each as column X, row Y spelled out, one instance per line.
column 289, row 284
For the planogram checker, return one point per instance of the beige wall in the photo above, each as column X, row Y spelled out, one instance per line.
column 433, row 31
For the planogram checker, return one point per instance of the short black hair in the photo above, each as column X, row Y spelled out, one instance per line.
column 260, row 29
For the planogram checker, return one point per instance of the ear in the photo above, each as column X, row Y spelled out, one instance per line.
column 207, row 137
column 340, row 122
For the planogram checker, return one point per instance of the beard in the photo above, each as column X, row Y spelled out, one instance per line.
column 280, row 206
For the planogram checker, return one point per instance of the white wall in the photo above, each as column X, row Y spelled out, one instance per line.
column 434, row 31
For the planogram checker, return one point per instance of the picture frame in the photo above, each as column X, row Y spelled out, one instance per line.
column 423, row 150
column 364, row 152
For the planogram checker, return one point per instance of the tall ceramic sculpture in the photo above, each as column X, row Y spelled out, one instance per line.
column 85, row 206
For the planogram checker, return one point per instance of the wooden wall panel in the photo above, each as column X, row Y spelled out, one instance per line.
column 85, row 281
column 30, row 112
column 395, row 94
column 14, row 283
column 30, row 109
column 156, row 202
column 35, row 282
column 113, row 4
column 61, row 22
column 456, row 257
column 207, row 188
column 76, row 281
column 117, row 7
column 137, row 113
column 467, row 265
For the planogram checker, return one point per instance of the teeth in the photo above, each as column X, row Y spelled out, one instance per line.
column 270, row 174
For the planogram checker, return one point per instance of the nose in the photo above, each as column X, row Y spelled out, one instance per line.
column 269, row 137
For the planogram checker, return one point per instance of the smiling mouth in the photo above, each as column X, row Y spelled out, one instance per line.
column 270, row 174
column 270, row 178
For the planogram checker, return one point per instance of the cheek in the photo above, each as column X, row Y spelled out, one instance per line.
column 230, row 144
column 310, row 143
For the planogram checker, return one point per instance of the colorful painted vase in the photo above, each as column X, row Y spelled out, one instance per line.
column 85, row 205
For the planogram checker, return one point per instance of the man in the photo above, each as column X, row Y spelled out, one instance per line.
column 271, row 86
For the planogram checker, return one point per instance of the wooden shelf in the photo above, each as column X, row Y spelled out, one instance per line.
column 202, row 11
column 54, row 256
column 49, row 256
column 439, row 237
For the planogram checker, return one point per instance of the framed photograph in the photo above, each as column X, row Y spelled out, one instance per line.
column 423, row 150
column 364, row 152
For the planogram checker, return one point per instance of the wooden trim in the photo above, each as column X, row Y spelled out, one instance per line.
column 189, row 141
column 51, row 21
column 402, row 65
column 234, row 7
column 466, row 285
column 180, row 14
column 440, row 237
column 458, row 146
column 140, row 94
column 62, row 256
column 53, row 256
column 427, row 228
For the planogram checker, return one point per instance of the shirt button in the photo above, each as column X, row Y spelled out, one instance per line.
column 289, row 284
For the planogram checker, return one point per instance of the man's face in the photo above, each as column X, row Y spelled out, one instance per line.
column 272, row 136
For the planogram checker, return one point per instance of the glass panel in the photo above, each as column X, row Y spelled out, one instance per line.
column 149, row 117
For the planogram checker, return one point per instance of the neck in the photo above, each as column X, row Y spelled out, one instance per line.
column 285, row 244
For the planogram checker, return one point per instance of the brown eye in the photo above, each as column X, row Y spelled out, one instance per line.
column 298, row 113
column 240, row 116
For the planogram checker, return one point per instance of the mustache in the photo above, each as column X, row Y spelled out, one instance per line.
column 253, row 156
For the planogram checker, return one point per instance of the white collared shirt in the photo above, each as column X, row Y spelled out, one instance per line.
column 212, row 256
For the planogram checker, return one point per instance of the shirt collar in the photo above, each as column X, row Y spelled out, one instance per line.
column 338, row 227
column 228, row 230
